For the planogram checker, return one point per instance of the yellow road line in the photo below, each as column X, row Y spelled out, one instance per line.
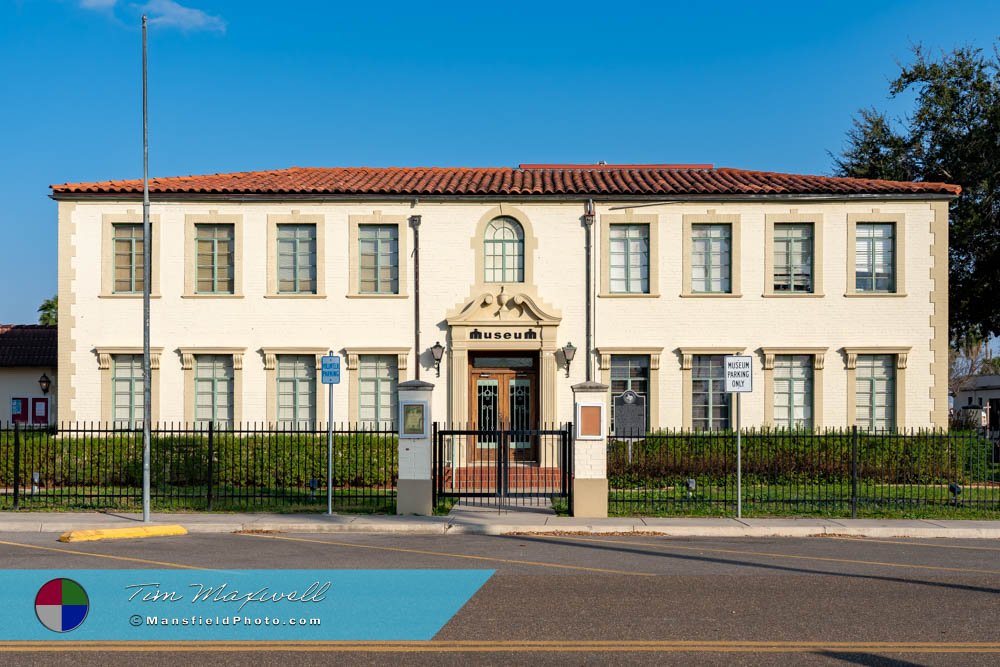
column 108, row 556
column 670, row 545
column 915, row 544
column 508, row 646
column 423, row 552
column 122, row 533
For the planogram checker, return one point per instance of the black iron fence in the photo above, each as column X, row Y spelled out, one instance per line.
column 846, row 473
column 198, row 467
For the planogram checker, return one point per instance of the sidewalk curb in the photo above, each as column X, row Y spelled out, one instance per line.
column 445, row 526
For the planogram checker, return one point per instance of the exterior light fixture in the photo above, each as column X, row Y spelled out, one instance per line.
column 569, row 351
column 44, row 382
column 437, row 352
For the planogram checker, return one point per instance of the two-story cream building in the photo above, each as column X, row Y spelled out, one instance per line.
column 530, row 279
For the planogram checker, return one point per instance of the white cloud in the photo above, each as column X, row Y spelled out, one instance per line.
column 165, row 13
column 171, row 14
column 98, row 4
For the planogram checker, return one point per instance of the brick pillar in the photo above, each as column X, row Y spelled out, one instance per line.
column 414, row 493
column 590, row 449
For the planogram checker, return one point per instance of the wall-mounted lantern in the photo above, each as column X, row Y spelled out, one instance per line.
column 438, row 353
column 44, row 383
column 569, row 351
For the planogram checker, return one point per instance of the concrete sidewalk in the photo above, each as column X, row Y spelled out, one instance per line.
column 490, row 521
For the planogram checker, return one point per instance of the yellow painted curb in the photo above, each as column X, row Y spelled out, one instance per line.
column 121, row 533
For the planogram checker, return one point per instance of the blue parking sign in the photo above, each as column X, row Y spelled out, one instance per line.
column 331, row 369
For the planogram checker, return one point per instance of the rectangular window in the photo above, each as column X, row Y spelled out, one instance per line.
column 793, row 391
column 213, row 386
column 379, row 261
column 793, row 258
column 711, row 258
column 215, row 247
column 874, row 257
column 709, row 403
column 127, row 389
column 629, row 259
column 377, row 376
column 629, row 372
column 297, row 259
column 128, row 247
column 297, row 390
column 875, row 391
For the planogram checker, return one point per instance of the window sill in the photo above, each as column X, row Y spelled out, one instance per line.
column 294, row 296
column 376, row 296
column 710, row 295
column 126, row 296
column 211, row 296
column 874, row 295
column 628, row 295
column 793, row 295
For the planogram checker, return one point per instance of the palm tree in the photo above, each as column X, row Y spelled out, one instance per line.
column 49, row 311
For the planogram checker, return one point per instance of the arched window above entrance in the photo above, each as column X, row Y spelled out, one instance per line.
column 503, row 251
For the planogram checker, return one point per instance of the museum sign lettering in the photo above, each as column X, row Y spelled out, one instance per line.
column 476, row 334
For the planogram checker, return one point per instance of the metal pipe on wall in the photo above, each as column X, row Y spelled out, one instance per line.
column 415, row 223
column 588, row 223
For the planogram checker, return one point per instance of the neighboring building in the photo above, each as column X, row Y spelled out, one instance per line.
column 837, row 287
column 27, row 366
column 983, row 392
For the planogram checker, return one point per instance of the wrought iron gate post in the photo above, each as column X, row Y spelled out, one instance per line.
column 17, row 466
column 854, row 471
column 211, row 463
column 436, row 465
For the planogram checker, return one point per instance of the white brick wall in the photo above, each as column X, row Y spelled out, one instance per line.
column 447, row 273
column 414, row 459
column 590, row 459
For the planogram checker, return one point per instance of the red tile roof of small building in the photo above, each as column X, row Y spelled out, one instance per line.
column 526, row 180
column 28, row 345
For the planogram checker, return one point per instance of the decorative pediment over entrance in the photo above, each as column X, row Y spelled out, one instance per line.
column 494, row 319
column 504, row 308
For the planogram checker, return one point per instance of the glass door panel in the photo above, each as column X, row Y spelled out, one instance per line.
column 487, row 411
column 519, row 401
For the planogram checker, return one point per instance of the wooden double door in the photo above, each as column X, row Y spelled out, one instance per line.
column 503, row 393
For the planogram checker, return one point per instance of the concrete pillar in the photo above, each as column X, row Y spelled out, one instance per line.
column 414, row 494
column 590, row 450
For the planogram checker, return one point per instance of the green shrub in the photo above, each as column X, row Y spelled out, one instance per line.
column 670, row 458
column 262, row 459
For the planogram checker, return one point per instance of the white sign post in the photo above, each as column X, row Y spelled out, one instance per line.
column 738, row 380
column 330, row 375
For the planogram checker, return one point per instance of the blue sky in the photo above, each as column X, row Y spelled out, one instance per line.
column 260, row 85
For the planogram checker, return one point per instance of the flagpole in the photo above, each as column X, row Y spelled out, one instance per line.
column 146, row 276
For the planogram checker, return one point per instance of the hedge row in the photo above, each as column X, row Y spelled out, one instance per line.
column 789, row 456
column 266, row 459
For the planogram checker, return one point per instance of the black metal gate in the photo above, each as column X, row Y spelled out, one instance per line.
column 503, row 467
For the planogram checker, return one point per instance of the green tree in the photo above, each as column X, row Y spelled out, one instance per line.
column 951, row 135
column 48, row 312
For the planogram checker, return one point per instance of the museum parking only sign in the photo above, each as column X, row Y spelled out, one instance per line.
column 739, row 374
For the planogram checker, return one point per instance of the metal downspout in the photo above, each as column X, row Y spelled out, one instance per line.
column 588, row 223
column 415, row 223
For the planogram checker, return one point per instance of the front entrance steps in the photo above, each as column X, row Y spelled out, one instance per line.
column 470, row 508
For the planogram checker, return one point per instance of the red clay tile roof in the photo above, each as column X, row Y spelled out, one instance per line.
column 567, row 180
column 28, row 345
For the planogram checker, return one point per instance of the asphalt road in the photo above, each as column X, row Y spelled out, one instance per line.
column 580, row 599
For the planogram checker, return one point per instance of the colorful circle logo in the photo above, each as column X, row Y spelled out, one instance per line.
column 61, row 605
